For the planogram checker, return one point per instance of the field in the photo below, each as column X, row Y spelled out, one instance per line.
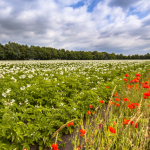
column 42, row 100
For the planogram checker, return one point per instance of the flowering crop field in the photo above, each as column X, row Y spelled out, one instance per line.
column 38, row 97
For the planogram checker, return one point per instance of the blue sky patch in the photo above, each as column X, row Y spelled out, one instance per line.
column 77, row 5
column 93, row 4
column 139, row 14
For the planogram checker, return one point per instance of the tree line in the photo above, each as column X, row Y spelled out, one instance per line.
column 15, row 51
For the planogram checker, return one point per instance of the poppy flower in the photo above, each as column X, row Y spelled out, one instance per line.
column 71, row 123
column 136, row 104
column 112, row 130
column 126, row 75
column 107, row 87
column 126, row 121
column 125, row 80
column 24, row 149
column 125, row 99
column 138, row 75
column 82, row 132
column 146, row 82
column 79, row 147
column 117, row 99
column 54, row 146
column 101, row 101
column 136, row 125
column 89, row 112
column 115, row 123
column 91, row 106
column 117, row 104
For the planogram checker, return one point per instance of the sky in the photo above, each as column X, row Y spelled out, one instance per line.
column 112, row 26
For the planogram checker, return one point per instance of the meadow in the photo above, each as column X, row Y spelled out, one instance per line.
column 42, row 100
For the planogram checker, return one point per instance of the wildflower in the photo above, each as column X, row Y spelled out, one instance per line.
column 125, row 99
column 54, row 146
column 136, row 104
column 91, row 106
column 79, row 147
column 93, row 112
column 107, row 87
column 117, row 99
column 101, row 101
column 138, row 78
column 117, row 105
column 82, row 132
column 71, row 123
column 138, row 75
column 126, row 75
column 126, row 121
column 146, row 82
column 89, row 112
column 115, row 123
column 24, row 149
column 131, row 106
column 125, row 79
column 136, row 125
column 112, row 130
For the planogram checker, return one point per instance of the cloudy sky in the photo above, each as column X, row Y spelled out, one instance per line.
column 112, row 26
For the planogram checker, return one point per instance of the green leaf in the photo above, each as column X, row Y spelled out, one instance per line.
column 40, row 148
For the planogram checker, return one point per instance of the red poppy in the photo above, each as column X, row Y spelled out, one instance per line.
column 126, row 75
column 54, row 146
column 146, row 82
column 125, row 99
column 138, row 75
column 131, row 106
column 117, row 104
column 136, row 125
column 107, row 87
column 89, row 112
column 117, row 99
column 101, row 101
column 112, row 130
column 91, row 106
column 136, row 104
column 125, row 80
column 82, row 132
column 71, row 123
column 126, row 121
column 24, row 149
column 115, row 123
column 79, row 147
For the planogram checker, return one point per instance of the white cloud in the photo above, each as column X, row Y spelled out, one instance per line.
column 55, row 24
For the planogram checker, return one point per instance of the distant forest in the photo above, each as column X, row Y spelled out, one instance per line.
column 15, row 51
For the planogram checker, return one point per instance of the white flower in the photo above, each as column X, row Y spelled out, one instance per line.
column 37, row 106
column 20, row 103
column 4, row 94
column 13, row 100
column 28, row 85
column 22, row 88
column 8, row 90
column 30, row 76
column 61, row 104
column 1, row 76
